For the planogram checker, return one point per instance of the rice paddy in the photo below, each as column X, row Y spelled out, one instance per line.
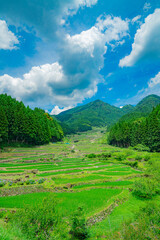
column 66, row 172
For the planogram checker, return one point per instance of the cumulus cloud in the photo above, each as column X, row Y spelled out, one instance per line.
column 146, row 41
column 76, row 75
column 7, row 39
column 43, row 16
column 56, row 110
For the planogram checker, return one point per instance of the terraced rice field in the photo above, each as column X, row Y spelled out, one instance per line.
column 28, row 175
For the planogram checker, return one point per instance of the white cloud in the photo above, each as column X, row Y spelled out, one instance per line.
column 7, row 39
column 135, row 19
column 76, row 75
column 155, row 82
column 45, row 17
column 56, row 110
column 146, row 41
column 146, row 7
column 110, row 89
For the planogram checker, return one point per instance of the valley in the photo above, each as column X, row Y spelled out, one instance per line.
column 82, row 171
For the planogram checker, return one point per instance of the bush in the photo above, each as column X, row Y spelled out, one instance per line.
column 42, row 180
column 30, row 181
column 141, row 148
column 146, row 157
column 91, row 155
column 146, row 225
column 132, row 164
column 120, row 156
column 20, row 183
column 138, row 157
column 38, row 222
column 145, row 188
column 10, row 183
column 2, row 183
column 79, row 229
column 104, row 155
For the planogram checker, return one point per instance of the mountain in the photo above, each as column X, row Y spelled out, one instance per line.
column 144, row 131
column 143, row 108
column 99, row 113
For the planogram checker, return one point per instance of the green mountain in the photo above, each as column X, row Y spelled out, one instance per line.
column 143, row 108
column 99, row 113
column 144, row 131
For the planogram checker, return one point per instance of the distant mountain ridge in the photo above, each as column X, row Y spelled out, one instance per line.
column 143, row 108
column 99, row 113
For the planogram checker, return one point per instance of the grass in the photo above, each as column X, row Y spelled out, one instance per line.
column 105, row 184
column 16, row 171
column 68, row 202
column 98, row 182
column 78, row 179
column 115, row 220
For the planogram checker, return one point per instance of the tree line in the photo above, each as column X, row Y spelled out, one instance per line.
column 144, row 130
column 20, row 124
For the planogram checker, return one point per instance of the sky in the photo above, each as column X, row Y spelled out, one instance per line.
column 58, row 54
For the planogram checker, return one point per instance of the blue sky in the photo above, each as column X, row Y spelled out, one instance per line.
column 64, row 53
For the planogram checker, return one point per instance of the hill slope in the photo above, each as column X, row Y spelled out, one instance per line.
column 97, row 113
column 143, row 108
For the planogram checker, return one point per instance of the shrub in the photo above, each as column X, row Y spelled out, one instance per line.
column 146, row 225
column 20, row 183
column 138, row 157
column 91, row 155
column 120, row 156
column 141, row 148
column 79, row 229
column 145, row 188
column 2, row 182
column 146, row 157
column 37, row 222
column 10, row 183
column 30, row 181
column 104, row 155
column 132, row 164
column 42, row 180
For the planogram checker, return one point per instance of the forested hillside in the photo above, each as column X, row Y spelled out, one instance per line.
column 143, row 108
column 24, row 125
column 144, row 130
column 97, row 114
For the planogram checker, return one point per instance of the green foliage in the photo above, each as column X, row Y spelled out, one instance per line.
column 79, row 229
column 20, row 124
column 141, row 148
column 145, row 188
column 133, row 164
column 145, row 226
column 91, row 155
column 120, row 156
column 37, row 222
column 143, row 134
column 2, row 183
column 143, row 108
column 101, row 156
column 138, row 157
column 94, row 114
column 146, row 157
